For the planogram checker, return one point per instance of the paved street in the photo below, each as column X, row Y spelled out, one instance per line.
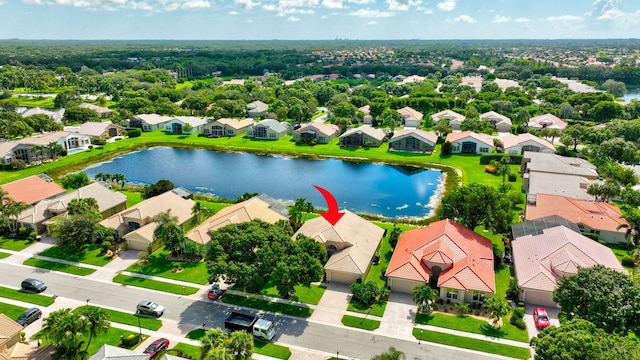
column 319, row 337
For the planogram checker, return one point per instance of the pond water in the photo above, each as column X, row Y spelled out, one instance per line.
column 386, row 190
column 633, row 94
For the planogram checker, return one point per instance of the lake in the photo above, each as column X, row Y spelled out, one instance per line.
column 377, row 189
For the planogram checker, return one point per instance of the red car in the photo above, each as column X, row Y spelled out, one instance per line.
column 157, row 347
column 541, row 318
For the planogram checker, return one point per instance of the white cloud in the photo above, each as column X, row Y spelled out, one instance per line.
column 233, row 13
column 2, row 3
column 324, row 17
column 297, row 3
column 332, row 4
column 463, row 18
column 361, row 2
column 296, row 11
column 368, row 13
column 373, row 22
column 620, row 18
column 501, row 19
column 425, row 10
column 521, row 20
column 112, row 5
column 447, row 5
column 249, row 21
column 246, row 4
column 293, row 19
column 564, row 18
column 401, row 5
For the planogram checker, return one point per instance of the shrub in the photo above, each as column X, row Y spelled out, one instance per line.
column 18, row 164
column 365, row 294
column 98, row 142
column 134, row 133
column 446, row 148
column 513, row 290
column 513, row 177
column 488, row 158
column 462, row 307
column 130, row 340
column 106, row 245
column 33, row 235
column 518, row 322
column 518, row 313
column 490, row 170
column 627, row 261
column 591, row 236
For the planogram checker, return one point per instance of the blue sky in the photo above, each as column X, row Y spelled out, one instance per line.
column 318, row 19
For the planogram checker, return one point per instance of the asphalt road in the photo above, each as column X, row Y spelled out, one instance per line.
column 353, row 343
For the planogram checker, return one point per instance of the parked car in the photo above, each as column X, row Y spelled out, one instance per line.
column 29, row 316
column 34, row 285
column 156, row 347
column 150, row 308
column 215, row 293
column 541, row 318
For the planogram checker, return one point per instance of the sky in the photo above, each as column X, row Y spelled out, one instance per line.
column 318, row 19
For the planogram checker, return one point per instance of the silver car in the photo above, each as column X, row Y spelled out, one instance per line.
column 149, row 308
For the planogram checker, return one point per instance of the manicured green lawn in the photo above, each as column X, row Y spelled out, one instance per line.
column 56, row 266
column 214, row 207
column 11, row 311
column 308, row 295
column 360, row 323
column 472, row 325
column 186, row 350
column 38, row 299
column 301, row 311
column 271, row 350
column 196, row 334
column 194, row 272
column 620, row 251
column 14, row 244
column 111, row 337
column 375, row 270
column 88, row 254
column 4, row 255
column 472, row 344
column 376, row 309
column 131, row 319
column 502, row 276
column 133, row 197
column 154, row 285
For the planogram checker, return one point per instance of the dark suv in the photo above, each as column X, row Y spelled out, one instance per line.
column 29, row 316
column 34, row 285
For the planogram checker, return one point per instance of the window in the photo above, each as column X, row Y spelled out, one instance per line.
column 484, row 149
column 321, row 139
column 478, row 296
column 272, row 135
column 452, row 294
column 455, row 148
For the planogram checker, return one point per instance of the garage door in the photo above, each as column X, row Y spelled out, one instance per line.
column 341, row 277
column 403, row 285
column 539, row 298
column 137, row 244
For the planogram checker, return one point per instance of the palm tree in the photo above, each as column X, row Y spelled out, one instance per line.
column 199, row 211
column 423, row 296
column 65, row 330
column 12, row 209
column 55, row 149
column 211, row 340
column 497, row 308
column 119, row 179
column 240, row 343
column 169, row 232
column 98, row 320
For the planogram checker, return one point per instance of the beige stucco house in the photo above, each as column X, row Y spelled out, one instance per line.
column 362, row 136
column 226, row 127
column 414, row 140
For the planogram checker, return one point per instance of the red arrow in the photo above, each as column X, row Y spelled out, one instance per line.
column 333, row 215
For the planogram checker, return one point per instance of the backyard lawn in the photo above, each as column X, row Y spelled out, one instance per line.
column 14, row 244
column 502, row 276
column 88, row 254
column 28, row 297
column 620, row 251
column 56, row 266
column 473, row 325
column 155, row 285
column 133, row 197
column 472, row 344
column 193, row 272
column 11, row 311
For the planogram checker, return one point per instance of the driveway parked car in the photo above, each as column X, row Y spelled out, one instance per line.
column 541, row 318
column 150, row 308
column 215, row 293
column 29, row 316
column 34, row 285
column 156, row 347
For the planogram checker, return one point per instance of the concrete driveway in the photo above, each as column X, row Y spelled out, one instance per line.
column 333, row 304
column 531, row 326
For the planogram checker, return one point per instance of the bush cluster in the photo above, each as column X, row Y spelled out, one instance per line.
column 517, row 319
column 486, row 159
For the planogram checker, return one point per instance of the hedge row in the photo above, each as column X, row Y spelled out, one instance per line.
column 486, row 159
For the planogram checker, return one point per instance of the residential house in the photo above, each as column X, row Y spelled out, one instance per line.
column 109, row 352
column 537, row 226
column 518, row 144
column 39, row 216
column 547, row 121
column 55, row 115
column 410, row 117
column 177, row 124
column 319, row 132
column 362, row 136
column 256, row 109
column 541, row 260
column 67, row 139
column 226, row 127
column 149, row 122
column 599, row 218
column 32, row 189
column 499, row 122
column 269, row 129
column 11, row 348
column 351, row 244
column 366, row 117
column 445, row 255
column 103, row 112
column 98, row 130
column 37, row 148
column 556, row 164
column 454, row 118
column 258, row 207
column 469, row 142
column 8, row 151
column 136, row 225
column 413, row 140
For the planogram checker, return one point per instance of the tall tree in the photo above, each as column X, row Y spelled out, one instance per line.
column 240, row 344
column 97, row 320
column 82, row 205
column 497, row 308
column 424, row 296
column 169, row 232
column 75, row 181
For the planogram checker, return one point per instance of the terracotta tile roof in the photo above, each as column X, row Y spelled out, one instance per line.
column 595, row 215
column 540, row 260
column 547, row 121
column 510, row 140
column 460, row 136
column 465, row 257
column 448, row 114
column 32, row 189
